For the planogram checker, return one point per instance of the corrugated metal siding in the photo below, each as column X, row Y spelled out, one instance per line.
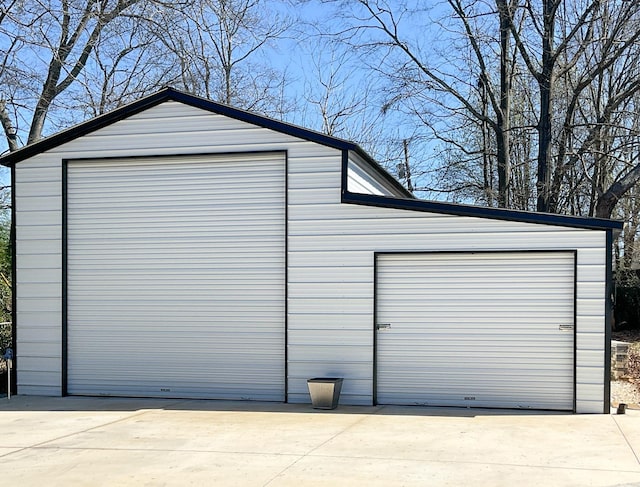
column 476, row 329
column 175, row 129
column 38, row 276
column 334, row 253
column 176, row 277
column 324, row 234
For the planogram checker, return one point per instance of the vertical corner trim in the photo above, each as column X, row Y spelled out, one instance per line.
column 575, row 331
column 374, row 390
column 344, row 175
column 14, row 284
column 608, row 322
column 286, row 276
column 63, row 379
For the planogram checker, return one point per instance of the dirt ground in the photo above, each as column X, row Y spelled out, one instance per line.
column 633, row 337
column 628, row 391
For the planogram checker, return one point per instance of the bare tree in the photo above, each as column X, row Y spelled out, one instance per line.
column 128, row 62
column 10, row 73
column 89, row 56
column 221, row 45
column 477, row 88
column 57, row 38
column 75, row 36
column 495, row 50
column 333, row 104
column 590, row 43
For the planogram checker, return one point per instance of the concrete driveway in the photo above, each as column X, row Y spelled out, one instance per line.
column 98, row 441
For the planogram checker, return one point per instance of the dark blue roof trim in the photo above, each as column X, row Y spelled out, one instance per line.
column 259, row 120
column 85, row 128
column 167, row 94
column 481, row 212
column 288, row 129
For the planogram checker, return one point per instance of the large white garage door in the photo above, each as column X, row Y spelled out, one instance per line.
column 176, row 277
column 476, row 329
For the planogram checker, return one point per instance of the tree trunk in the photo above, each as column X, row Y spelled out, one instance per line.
column 504, row 170
column 609, row 199
column 37, row 122
column 503, row 143
column 545, row 81
column 47, row 96
column 487, row 170
column 407, row 165
column 7, row 126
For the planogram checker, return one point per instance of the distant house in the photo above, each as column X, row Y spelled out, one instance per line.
column 177, row 247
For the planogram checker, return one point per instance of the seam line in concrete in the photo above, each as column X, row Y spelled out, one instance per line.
column 468, row 462
column 102, row 425
column 165, row 450
column 626, row 439
column 299, row 457
column 318, row 446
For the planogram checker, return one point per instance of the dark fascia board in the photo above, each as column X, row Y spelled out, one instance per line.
column 289, row 129
column 408, row 203
column 84, row 128
column 481, row 212
column 170, row 94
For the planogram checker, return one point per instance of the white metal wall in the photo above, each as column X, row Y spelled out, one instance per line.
column 330, row 252
column 490, row 329
column 38, row 215
column 176, row 276
column 331, row 280
column 168, row 129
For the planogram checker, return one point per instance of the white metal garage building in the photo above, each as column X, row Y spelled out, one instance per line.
column 181, row 248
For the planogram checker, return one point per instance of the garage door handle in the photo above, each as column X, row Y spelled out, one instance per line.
column 565, row 327
column 383, row 326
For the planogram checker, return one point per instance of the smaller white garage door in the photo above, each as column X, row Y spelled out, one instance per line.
column 476, row 329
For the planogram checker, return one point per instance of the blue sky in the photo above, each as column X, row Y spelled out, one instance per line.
column 307, row 62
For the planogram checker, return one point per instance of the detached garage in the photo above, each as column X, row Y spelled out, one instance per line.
column 180, row 248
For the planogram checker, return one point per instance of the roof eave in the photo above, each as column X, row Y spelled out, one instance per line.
column 409, row 202
column 482, row 212
column 85, row 128
column 170, row 94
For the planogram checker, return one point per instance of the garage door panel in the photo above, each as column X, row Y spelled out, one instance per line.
column 160, row 389
column 176, row 277
column 477, row 329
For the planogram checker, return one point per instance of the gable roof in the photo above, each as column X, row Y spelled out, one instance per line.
column 408, row 202
column 171, row 94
